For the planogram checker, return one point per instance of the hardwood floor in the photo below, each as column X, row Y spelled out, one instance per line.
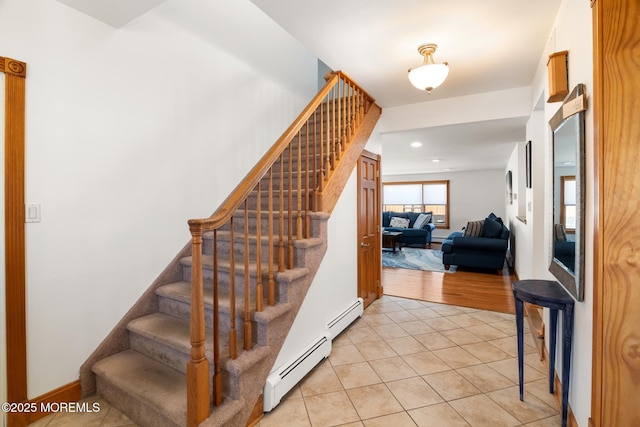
column 477, row 289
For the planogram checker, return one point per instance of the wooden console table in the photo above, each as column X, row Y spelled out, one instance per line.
column 391, row 239
column 550, row 294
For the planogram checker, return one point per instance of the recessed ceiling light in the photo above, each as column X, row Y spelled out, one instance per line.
column 416, row 144
column 447, row 169
column 435, row 160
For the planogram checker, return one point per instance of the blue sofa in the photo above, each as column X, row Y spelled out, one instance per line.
column 410, row 235
column 487, row 250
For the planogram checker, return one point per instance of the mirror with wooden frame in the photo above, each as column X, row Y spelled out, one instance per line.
column 567, row 231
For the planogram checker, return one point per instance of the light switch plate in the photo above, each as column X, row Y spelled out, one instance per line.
column 32, row 212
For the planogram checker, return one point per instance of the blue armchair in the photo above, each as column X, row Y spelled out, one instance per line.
column 486, row 250
column 410, row 234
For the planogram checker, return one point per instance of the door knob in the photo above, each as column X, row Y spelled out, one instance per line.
column 364, row 245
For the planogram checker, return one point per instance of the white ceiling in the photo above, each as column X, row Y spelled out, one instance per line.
column 490, row 45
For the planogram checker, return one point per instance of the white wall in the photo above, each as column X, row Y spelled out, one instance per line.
column 572, row 32
column 474, row 195
column 130, row 132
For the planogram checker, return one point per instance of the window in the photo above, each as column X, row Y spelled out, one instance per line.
column 423, row 196
column 568, row 203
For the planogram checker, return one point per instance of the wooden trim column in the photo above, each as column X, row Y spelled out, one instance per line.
column 616, row 294
column 15, row 73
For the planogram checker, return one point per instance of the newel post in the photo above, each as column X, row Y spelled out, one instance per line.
column 198, row 407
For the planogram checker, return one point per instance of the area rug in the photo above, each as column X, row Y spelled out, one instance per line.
column 416, row 259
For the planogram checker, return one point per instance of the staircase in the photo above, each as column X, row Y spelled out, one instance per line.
column 197, row 347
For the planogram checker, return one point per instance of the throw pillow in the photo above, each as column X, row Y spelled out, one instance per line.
column 491, row 228
column 398, row 222
column 474, row 229
column 560, row 233
column 422, row 220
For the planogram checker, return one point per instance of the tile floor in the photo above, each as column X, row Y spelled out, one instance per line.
column 406, row 363
column 414, row 363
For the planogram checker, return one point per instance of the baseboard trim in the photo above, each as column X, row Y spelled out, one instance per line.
column 67, row 393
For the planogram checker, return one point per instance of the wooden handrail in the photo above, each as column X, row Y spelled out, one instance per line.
column 297, row 168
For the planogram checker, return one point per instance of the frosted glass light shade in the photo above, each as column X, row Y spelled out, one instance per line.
column 429, row 76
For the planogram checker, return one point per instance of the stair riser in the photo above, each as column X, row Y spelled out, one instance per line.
column 223, row 281
column 138, row 411
column 264, row 202
column 238, row 226
column 224, row 250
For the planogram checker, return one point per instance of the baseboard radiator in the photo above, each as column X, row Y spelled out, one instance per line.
column 345, row 318
column 288, row 375
column 284, row 379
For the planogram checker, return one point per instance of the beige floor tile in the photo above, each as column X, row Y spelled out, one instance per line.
column 409, row 304
column 529, row 410
column 393, row 368
column 363, row 334
column 290, row 412
column 554, row 421
column 540, row 389
column 354, row 424
column 461, row 336
column 464, row 320
column 425, row 363
column 406, row 345
column 441, row 324
column 402, row 316
column 401, row 419
column 390, row 331
column 330, row 409
column 506, row 326
column 377, row 319
column 341, row 340
column 42, row 422
column 416, row 327
column 441, row 415
column 357, row 375
column 510, row 346
column 434, row 340
column 414, row 393
column 446, row 310
column 457, row 357
column 451, row 385
column 468, row 309
column 345, row 355
column 509, row 368
column 491, row 316
column 486, row 332
column 485, row 378
column 386, row 305
column 481, row 411
column 424, row 313
column 373, row 401
column 323, row 379
column 115, row 418
column 372, row 350
column 486, row 352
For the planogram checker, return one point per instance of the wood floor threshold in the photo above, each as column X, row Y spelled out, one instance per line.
column 475, row 289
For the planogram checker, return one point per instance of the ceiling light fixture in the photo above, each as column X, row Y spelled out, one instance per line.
column 429, row 75
column 435, row 160
column 416, row 144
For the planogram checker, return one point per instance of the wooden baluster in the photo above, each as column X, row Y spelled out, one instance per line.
column 324, row 172
column 317, row 174
column 307, row 183
column 350, row 112
column 343, row 142
column 198, row 366
column 281, row 219
column 233, row 334
column 217, row 374
column 259, row 289
column 271, row 285
column 247, row 281
column 334, row 135
column 300, row 194
column 329, row 164
column 290, row 210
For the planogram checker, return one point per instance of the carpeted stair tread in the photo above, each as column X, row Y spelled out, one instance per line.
column 152, row 384
column 169, row 330
column 225, row 265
